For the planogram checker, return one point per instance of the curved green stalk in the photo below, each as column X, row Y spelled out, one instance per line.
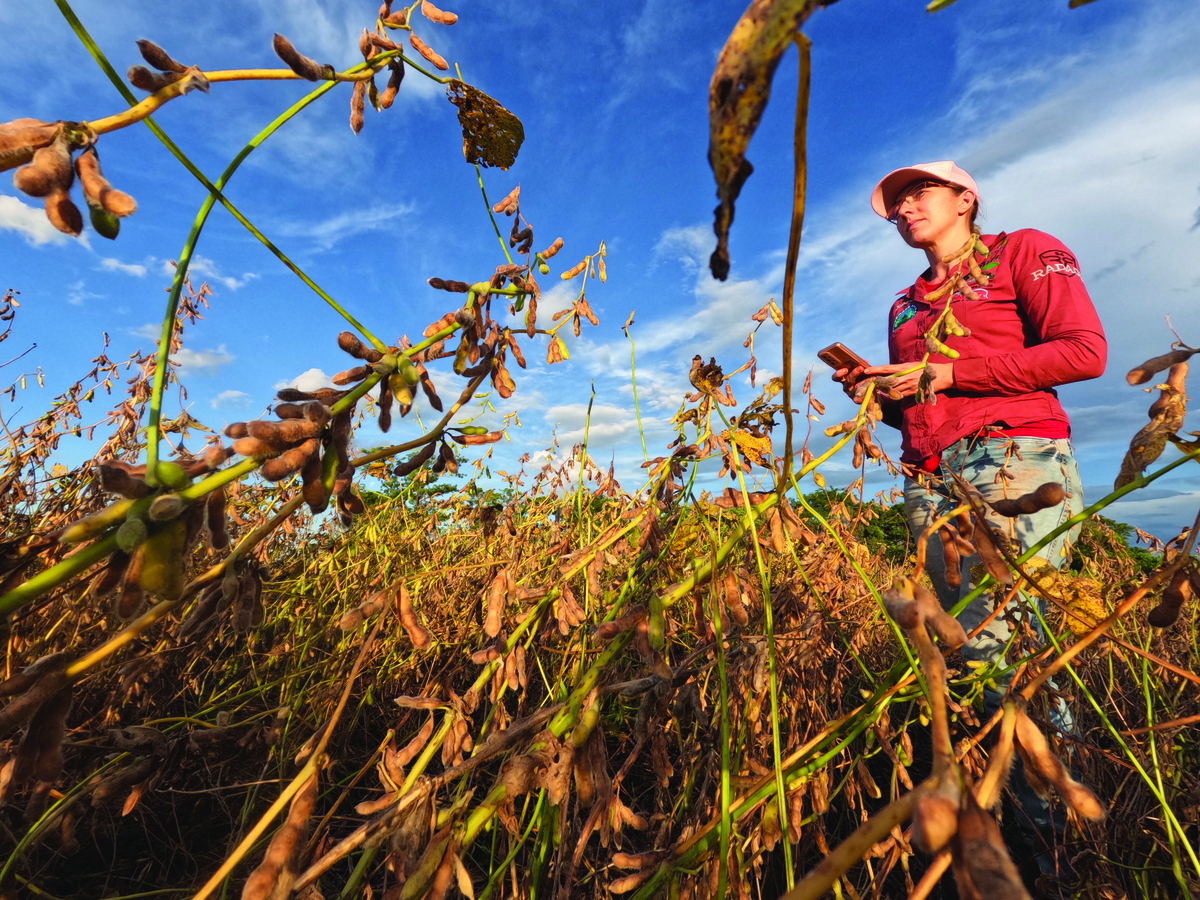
column 587, row 430
column 50, row 578
column 637, row 409
column 768, row 611
column 726, row 826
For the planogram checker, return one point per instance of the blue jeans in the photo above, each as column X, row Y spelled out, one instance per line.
column 998, row 467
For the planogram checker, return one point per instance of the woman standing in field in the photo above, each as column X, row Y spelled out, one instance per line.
column 990, row 414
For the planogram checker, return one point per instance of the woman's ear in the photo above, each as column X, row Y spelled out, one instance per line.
column 965, row 201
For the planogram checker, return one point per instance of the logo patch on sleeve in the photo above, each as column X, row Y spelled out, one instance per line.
column 906, row 312
column 1057, row 262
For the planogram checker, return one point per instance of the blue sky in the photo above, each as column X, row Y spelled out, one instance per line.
column 1083, row 123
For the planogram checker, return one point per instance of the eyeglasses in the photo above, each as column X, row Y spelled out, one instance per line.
column 913, row 192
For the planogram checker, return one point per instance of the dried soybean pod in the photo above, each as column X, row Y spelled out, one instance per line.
column 158, row 57
column 315, row 411
column 31, row 675
column 49, row 171
column 417, row 633
column 257, row 449
column 982, row 866
column 203, row 611
column 1047, row 495
column 21, row 138
column 396, row 76
column 495, row 603
column 96, row 189
column 1173, row 598
column 290, row 410
column 18, row 710
column 131, row 595
column 1036, row 755
column 411, row 465
column 384, row 416
column 236, row 430
column 509, row 204
column 163, row 560
column 153, row 82
column 276, row 873
column 1151, row 367
column 410, row 750
column 609, row 630
column 115, row 479
column 431, row 12
column 733, row 599
column 976, row 272
column 348, row 342
column 107, row 579
column 63, row 213
column 285, row 432
column 531, row 317
column 900, row 605
column 574, row 270
column 306, row 68
column 426, row 51
column 553, row 249
column 247, row 604
column 427, row 387
column 950, row 558
column 312, row 487
column 349, row 376
column 39, row 754
column 948, row 629
column 935, row 816
column 291, row 461
column 358, row 103
column 985, row 546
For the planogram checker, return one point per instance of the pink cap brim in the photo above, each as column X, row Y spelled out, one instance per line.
column 890, row 186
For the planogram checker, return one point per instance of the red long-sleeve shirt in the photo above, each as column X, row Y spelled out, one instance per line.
column 1033, row 327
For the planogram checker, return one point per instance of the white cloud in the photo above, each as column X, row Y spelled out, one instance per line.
column 150, row 331
column 29, row 222
column 327, row 233
column 115, row 265
column 231, row 400
column 310, row 380
column 607, row 423
column 77, row 293
column 202, row 362
column 207, row 269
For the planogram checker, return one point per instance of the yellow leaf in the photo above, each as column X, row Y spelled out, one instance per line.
column 58, row 470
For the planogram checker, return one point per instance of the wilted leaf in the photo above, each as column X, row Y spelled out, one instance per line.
column 737, row 96
column 492, row 136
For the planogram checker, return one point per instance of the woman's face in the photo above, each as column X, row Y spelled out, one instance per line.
column 926, row 212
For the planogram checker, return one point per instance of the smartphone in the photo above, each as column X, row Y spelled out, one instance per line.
column 839, row 356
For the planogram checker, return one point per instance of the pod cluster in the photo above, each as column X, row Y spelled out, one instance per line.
column 1166, row 415
column 49, row 172
column 307, row 439
column 156, row 528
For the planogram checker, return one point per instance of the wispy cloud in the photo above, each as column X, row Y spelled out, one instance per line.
column 78, row 294
column 205, row 268
column 231, row 400
column 150, row 331
column 606, row 424
column 328, row 233
column 202, row 362
column 115, row 265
